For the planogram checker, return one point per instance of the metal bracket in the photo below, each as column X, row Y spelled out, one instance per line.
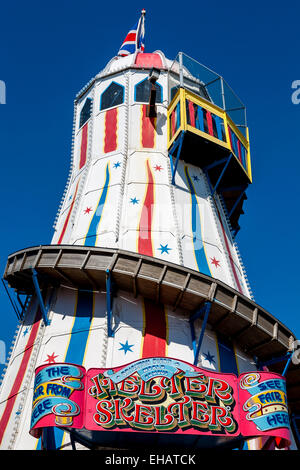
column 14, row 306
column 40, row 298
column 287, row 364
column 199, row 313
column 274, row 360
column 25, row 305
column 221, row 174
column 237, row 201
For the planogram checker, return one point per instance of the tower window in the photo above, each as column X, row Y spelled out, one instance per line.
column 142, row 91
column 85, row 113
column 112, row 96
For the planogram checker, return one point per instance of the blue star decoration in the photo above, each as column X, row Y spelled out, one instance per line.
column 25, row 331
column 196, row 178
column 209, row 357
column 134, row 200
column 164, row 249
column 116, row 165
column 126, row 347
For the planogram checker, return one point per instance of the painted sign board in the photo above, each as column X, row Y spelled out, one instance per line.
column 160, row 395
column 58, row 397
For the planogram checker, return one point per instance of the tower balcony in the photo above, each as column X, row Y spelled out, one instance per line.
column 207, row 128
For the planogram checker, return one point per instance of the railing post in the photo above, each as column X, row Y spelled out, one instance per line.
column 180, row 70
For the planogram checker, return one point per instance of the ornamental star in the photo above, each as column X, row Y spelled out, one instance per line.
column 25, row 331
column 51, row 359
column 87, row 210
column 158, row 168
column 215, row 262
column 209, row 357
column 126, row 347
column 134, row 200
column 164, row 249
column 116, row 165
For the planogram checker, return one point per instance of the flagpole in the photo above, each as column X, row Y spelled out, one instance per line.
column 140, row 29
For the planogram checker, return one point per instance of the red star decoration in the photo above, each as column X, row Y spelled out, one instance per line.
column 215, row 262
column 158, row 168
column 51, row 359
column 87, row 210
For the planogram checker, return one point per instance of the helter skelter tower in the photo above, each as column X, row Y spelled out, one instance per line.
column 144, row 266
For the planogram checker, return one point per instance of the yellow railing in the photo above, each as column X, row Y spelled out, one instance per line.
column 190, row 112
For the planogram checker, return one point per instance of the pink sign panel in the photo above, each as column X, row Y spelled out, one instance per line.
column 58, row 397
column 263, row 405
column 161, row 395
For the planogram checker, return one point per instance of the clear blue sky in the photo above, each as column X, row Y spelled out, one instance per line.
column 50, row 50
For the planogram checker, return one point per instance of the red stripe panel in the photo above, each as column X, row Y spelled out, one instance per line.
column 209, row 123
column 230, row 138
column 155, row 333
column 20, row 376
column 148, row 129
column 110, row 137
column 192, row 114
column 67, row 218
column 173, row 122
column 83, row 148
column 145, row 226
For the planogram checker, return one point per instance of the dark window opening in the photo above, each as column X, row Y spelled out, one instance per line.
column 143, row 89
column 112, row 96
column 85, row 113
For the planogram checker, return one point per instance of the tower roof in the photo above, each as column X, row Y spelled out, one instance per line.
column 138, row 60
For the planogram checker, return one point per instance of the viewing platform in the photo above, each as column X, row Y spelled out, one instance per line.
column 207, row 128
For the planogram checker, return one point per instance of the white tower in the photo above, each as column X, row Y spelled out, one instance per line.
column 143, row 261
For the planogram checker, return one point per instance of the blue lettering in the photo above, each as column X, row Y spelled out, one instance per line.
column 44, row 406
column 269, row 384
column 278, row 420
column 272, row 421
column 39, row 391
column 270, row 397
column 56, row 389
column 57, row 371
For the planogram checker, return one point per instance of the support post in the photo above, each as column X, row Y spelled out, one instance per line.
column 73, row 442
column 236, row 202
column 48, row 439
column 39, row 296
column 109, row 295
column 203, row 311
column 14, row 306
column 295, row 428
column 222, row 173
column 287, row 365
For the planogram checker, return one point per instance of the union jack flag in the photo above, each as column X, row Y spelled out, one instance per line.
column 134, row 41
